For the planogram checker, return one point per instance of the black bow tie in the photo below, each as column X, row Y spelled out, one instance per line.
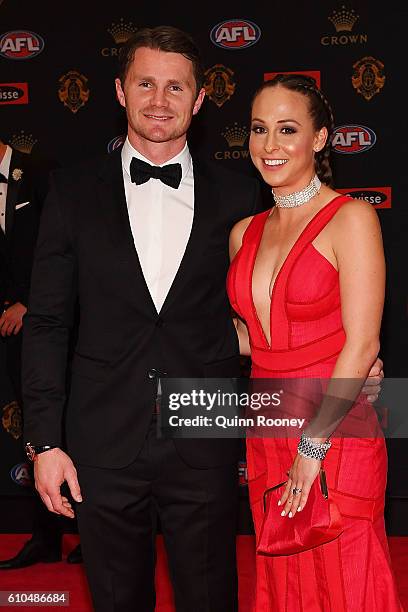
column 141, row 172
column 3, row 178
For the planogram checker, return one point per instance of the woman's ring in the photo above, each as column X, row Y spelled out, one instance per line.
column 296, row 491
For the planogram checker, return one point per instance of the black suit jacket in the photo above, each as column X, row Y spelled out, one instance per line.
column 25, row 197
column 86, row 252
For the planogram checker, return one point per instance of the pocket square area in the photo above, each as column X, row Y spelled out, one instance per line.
column 21, row 205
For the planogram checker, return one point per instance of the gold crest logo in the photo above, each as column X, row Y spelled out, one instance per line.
column 368, row 78
column 22, row 142
column 12, row 421
column 73, row 90
column 219, row 84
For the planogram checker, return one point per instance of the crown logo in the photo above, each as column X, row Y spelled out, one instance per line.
column 22, row 142
column 122, row 31
column 343, row 19
column 235, row 135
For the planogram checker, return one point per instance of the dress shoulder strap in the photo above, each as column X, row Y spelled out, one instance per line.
column 320, row 220
column 255, row 227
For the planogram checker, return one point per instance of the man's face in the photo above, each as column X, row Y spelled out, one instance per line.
column 159, row 94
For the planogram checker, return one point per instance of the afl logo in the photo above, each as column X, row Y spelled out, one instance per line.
column 353, row 139
column 116, row 142
column 20, row 474
column 235, row 34
column 20, row 45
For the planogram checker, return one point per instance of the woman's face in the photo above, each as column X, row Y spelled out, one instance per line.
column 283, row 140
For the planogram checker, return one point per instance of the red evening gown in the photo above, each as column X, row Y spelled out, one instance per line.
column 353, row 572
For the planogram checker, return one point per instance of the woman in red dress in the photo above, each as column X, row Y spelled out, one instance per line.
column 307, row 282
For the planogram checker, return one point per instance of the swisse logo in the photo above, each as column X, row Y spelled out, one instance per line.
column 235, row 34
column 379, row 197
column 20, row 45
column 13, row 93
column 353, row 139
column 20, row 474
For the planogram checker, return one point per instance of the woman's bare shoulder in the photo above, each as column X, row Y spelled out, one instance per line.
column 239, row 228
column 356, row 221
column 354, row 214
column 237, row 233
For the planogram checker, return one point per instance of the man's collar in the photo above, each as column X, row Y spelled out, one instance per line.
column 5, row 162
column 183, row 158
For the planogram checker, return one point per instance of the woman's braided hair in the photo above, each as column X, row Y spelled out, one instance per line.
column 320, row 111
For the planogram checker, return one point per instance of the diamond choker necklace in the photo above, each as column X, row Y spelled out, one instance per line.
column 298, row 197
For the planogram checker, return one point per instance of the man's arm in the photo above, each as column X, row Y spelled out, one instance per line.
column 47, row 326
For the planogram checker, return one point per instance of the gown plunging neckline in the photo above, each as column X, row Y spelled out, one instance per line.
column 281, row 268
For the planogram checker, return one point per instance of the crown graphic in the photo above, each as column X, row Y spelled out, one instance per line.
column 23, row 142
column 343, row 19
column 122, row 31
column 235, row 135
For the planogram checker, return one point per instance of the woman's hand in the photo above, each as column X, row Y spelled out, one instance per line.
column 11, row 321
column 302, row 474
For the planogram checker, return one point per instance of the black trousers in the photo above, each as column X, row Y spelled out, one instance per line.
column 197, row 509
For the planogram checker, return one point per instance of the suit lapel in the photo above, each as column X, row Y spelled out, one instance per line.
column 204, row 196
column 113, row 205
column 13, row 188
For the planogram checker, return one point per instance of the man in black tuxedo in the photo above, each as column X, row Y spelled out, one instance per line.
column 147, row 262
column 23, row 187
column 140, row 239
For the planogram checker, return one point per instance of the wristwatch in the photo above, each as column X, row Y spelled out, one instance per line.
column 32, row 451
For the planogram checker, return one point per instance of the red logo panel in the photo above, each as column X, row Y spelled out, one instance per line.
column 379, row 197
column 13, row 93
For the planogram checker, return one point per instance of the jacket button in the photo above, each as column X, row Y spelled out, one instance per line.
column 152, row 374
column 159, row 322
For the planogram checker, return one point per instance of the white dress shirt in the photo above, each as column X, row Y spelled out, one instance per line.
column 4, row 169
column 161, row 218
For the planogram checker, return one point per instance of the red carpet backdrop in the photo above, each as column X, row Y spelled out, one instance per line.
column 57, row 98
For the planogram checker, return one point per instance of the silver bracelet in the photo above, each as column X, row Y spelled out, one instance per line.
column 312, row 450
